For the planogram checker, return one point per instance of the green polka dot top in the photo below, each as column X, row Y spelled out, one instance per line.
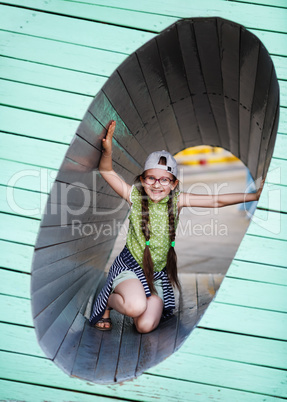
column 158, row 224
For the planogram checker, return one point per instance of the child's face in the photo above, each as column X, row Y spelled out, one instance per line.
column 158, row 191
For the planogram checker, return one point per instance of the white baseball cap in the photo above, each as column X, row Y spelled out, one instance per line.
column 153, row 159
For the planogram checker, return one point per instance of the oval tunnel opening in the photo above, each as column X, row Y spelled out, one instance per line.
column 202, row 81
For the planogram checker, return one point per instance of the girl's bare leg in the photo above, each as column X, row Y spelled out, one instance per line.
column 150, row 318
column 129, row 298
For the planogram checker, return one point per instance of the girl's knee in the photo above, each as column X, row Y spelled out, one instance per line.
column 145, row 325
column 135, row 308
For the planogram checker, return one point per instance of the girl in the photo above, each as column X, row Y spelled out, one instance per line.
column 140, row 281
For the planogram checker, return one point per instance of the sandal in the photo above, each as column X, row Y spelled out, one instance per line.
column 104, row 321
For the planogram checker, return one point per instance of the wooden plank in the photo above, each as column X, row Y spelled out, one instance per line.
column 280, row 146
column 283, row 93
column 66, row 354
column 267, row 38
column 97, row 60
column 16, row 256
column 54, row 322
column 64, row 55
column 259, row 108
column 175, row 74
column 262, row 380
column 195, row 80
column 129, row 352
column 50, row 77
column 71, row 172
column 101, row 225
column 147, row 353
column 103, row 110
column 19, row 339
column 34, row 393
column 248, row 67
column 274, row 3
column 245, row 320
column 270, row 126
column 239, row 348
column 75, row 174
column 188, row 308
column 132, row 76
column 271, row 143
column 166, row 339
column 274, row 198
column 16, row 309
column 280, row 64
column 88, row 351
column 22, row 202
column 229, row 36
column 77, row 234
column 254, row 16
column 212, row 76
column 100, row 13
column 264, row 296
column 157, row 88
column 87, row 205
column 61, row 234
column 276, row 173
column 27, row 123
column 257, row 272
column 117, row 94
column 147, row 387
column 49, row 101
column 18, row 229
column 85, row 153
column 108, row 357
column 159, row 344
column 282, row 128
column 262, row 250
column 66, row 256
column 42, row 258
column 71, row 30
column 33, row 151
column 85, row 341
column 49, row 292
column 93, row 132
column 14, row 284
column 205, row 291
column 268, row 223
column 26, row 177
column 61, row 215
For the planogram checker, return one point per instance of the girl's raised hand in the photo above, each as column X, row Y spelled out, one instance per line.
column 107, row 141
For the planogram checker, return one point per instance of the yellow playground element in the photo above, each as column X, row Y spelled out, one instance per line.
column 204, row 154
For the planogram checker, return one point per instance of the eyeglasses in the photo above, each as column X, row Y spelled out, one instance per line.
column 164, row 181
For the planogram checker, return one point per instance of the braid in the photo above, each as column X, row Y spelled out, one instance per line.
column 147, row 260
column 171, row 265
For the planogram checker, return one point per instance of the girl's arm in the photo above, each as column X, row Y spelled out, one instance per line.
column 122, row 188
column 217, row 201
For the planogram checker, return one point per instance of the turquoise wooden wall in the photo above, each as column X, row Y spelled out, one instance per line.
column 54, row 57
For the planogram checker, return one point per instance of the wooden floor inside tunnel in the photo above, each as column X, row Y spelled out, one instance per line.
column 123, row 353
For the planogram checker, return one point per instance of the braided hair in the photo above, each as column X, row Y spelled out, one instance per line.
column 171, row 266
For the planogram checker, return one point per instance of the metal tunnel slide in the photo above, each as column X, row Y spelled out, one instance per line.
column 202, row 81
